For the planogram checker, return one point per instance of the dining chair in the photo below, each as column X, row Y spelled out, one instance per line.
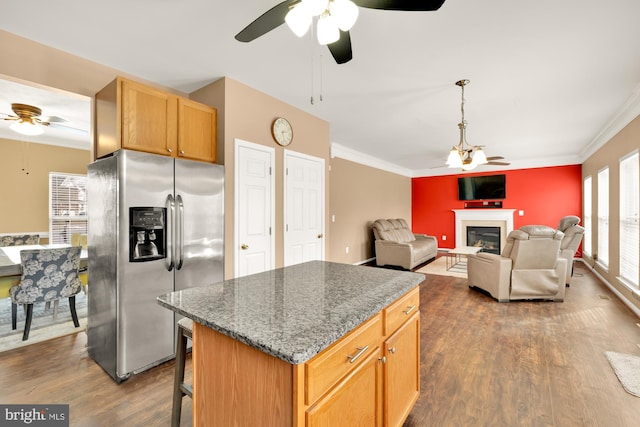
column 19, row 240
column 47, row 275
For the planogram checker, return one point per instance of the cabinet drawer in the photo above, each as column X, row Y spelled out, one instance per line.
column 401, row 310
column 328, row 367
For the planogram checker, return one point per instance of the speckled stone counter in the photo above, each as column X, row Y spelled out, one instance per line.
column 293, row 313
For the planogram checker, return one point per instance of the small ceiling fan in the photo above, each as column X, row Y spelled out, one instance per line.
column 28, row 120
column 465, row 155
column 335, row 18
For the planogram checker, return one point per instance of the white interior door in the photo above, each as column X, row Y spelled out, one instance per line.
column 254, row 206
column 304, row 208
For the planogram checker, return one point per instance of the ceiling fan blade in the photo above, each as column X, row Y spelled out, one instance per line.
column 498, row 163
column 266, row 22
column 66, row 128
column 494, row 158
column 409, row 5
column 52, row 119
column 341, row 50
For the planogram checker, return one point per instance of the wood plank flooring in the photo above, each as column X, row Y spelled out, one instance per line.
column 483, row 364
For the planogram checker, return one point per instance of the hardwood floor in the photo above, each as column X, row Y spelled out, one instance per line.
column 483, row 364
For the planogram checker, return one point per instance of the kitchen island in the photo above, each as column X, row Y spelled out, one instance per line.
column 317, row 343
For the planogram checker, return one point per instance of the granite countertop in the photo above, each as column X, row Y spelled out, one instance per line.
column 293, row 313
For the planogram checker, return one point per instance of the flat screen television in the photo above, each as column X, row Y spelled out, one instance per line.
column 489, row 187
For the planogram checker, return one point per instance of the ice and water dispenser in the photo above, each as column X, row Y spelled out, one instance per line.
column 147, row 234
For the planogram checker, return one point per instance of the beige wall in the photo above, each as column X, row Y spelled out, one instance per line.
column 247, row 114
column 609, row 155
column 359, row 195
column 25, row 194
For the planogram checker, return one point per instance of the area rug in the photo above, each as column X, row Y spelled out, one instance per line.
column 14, row 341
column 439, row 267
column 41, row 318
column 627, row 369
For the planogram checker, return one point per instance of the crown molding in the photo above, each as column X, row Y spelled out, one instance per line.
column 345, row 153
column 625, row 114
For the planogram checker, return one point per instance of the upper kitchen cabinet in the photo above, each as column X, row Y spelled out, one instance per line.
column 135, row 116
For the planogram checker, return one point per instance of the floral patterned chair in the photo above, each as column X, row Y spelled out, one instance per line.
column 25, row 239
column 47, row 275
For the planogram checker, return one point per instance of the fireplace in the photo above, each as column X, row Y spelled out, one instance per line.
column 487, row 238
column 492, row 218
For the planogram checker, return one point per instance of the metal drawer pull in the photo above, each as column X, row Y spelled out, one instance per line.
column 360, row 352
column 392, row 350
column 409, row 310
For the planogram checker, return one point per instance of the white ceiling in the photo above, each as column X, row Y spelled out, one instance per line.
column 550, row 80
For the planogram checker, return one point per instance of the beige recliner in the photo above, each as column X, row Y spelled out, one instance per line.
column 530, row 266
column 396, row 244
column 573, row 234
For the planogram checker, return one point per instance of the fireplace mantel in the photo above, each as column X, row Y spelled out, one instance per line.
column 481, row 217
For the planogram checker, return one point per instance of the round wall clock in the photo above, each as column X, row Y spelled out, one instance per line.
column 282, row 131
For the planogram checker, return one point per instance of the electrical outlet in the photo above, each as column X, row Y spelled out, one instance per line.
column 521, row 212
column 444, row 237
column 346, row 250
column 333, row 218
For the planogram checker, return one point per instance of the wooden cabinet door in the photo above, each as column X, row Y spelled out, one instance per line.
column 402, row 372
column 148, row 119
column 356, row 401
column 197, row 127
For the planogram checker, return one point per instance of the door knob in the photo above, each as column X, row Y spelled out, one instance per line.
column 320, row 236
column 244, row 246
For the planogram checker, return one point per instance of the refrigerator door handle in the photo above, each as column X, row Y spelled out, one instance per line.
column 171, row 208
column 180, row 231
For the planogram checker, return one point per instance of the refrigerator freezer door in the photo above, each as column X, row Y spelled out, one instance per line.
column 145, row 330
column 200, row 227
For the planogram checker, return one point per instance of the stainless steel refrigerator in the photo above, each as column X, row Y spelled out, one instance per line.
column 156, row 225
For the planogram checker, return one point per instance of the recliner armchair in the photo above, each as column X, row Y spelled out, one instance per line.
column 573, row 234
column 397, row 245
column 530, row 266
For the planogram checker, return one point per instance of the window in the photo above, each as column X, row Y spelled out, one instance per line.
column 629, row 230
column 587, row 221
column 67, row 206
column 603, row 217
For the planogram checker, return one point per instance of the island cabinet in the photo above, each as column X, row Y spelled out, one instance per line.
column 134, row 116
column 369, row 377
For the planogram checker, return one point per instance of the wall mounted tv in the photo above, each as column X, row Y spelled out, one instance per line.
column 489, row 187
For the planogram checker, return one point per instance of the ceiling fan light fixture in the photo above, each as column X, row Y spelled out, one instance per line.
column 454, row 160
column 479, row 158
column 328, row 31
column 26, row 127
column 299, row 19
column 345, row 12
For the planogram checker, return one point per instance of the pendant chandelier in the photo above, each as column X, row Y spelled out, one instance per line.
column 333, row 16
column 463, row 155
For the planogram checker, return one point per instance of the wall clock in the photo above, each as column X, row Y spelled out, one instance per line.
column 282, row 131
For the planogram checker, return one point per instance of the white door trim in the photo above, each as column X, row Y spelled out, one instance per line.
column 290, row 153
column 238, row 143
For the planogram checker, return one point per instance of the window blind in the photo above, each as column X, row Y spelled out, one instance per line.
column 67, row 206
column 588, row 216
column 629, row 229
column 603, row 217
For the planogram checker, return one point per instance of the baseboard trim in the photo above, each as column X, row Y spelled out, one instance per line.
column 613, row 289
column 366, row 261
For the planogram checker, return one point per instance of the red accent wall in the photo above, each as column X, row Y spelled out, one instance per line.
column 544, row 194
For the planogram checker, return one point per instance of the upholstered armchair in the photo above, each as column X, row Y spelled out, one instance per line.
column 530, row 266
column 397, row 245
column 573, row 234
column 47, row 275
column 15, row 240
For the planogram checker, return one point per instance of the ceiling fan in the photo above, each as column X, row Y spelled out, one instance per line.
column 29, row 121
column 335, row 18
column 465, row 155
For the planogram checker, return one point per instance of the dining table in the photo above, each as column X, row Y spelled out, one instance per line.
column 11, row 268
